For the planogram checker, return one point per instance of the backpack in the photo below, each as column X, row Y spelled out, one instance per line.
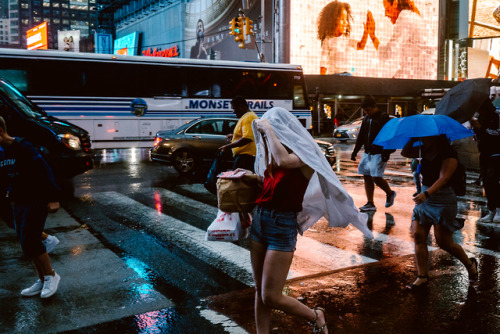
column 458, row 180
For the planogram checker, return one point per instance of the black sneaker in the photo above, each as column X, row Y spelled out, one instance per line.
column 390, row 199
column 368, row 207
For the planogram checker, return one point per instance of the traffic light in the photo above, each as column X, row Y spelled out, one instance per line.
column 239, row 35
column 232, row 26
column 248, row 26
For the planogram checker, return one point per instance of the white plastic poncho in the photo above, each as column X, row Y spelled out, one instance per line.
column 325, row 196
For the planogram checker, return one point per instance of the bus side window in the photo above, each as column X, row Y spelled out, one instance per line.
column 299, row 100
column 16, row 77
column 198, row 82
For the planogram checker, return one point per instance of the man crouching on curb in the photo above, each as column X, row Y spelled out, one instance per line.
column 35, row 194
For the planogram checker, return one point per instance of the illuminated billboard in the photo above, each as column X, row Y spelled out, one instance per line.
column 68, row 40
column 127, row 45
column 377, row 39
column 36, row 38
column 484, row 18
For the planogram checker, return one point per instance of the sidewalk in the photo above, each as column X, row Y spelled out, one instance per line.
column 372, row 299
column 88, row 293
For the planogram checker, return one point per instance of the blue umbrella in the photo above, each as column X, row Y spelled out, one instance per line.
column 398, row 131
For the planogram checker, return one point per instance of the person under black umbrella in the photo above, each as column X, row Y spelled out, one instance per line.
column 487, row 130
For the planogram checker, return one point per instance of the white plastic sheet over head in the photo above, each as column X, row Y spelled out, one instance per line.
column 325, row 196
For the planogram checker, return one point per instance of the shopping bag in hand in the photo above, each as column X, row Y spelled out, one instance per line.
column 237, row 191
column 215, row 169
column 226, row 227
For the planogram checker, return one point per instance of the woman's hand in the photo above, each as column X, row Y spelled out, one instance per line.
column 263, row 126
column 53, row 207
column 420, row 198
column 247, row 172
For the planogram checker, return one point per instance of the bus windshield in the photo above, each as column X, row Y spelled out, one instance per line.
column 20, row 101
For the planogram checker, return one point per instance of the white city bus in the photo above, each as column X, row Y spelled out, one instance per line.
column 122, row 101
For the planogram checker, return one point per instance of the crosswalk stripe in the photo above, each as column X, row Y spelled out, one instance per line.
column 225, row 256
column 320, row 256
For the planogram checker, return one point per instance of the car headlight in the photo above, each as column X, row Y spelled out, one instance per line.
column 352, row 130
column 73, row 142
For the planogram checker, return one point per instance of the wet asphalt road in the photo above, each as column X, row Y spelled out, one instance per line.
column 128, row 203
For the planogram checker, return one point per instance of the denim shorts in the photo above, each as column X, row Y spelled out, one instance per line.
column 275, row 229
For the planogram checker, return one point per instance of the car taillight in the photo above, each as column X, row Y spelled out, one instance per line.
column 157, row 141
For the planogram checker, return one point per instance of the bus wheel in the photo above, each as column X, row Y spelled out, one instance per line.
column 183, row 161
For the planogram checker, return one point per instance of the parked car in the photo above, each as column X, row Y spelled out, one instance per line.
column 195, row 144
column 350, row 130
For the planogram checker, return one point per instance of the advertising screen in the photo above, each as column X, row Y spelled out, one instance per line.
column 207, row 30
column 484, row 18
column 371, row 38
column 68, row 40
column 127, row 45
column 36, row 38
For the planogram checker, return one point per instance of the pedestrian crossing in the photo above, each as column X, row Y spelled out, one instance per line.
column 317, row 250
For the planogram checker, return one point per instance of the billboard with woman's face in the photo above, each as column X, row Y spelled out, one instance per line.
column 372, row 38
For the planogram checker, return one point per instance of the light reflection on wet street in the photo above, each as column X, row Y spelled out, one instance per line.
column 181, row 272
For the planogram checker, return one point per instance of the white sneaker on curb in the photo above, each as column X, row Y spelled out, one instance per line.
column 368, row 207
column 50, row 284
column 33, row 290
column 50, row 243
column 496, row 219
column 488, row 218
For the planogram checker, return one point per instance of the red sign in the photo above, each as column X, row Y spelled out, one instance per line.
column 170, row 52
column 36, row 38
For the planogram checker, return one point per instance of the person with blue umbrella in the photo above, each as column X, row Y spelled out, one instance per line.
column 436, row 204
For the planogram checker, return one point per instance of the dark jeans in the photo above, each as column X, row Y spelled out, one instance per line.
column 30, row 221
column 244, row 161
column 490, row 172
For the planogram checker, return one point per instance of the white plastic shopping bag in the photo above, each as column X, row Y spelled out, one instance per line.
column 226, row 227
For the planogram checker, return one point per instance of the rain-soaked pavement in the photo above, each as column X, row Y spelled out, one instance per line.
column 133, row 259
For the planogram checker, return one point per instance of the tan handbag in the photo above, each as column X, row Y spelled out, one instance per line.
column 238, row 194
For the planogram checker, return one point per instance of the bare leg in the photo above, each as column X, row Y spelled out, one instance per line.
column 262, row 312
column 274, row 274
column 420, row 235
column 369, row 187
column 43, row 266
column 444, row 238
column 382, row 183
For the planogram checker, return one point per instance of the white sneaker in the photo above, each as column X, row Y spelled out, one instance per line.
column 33, row 290
column 488, row 218
column 50, row 243
column 50, row 284
column 496, row 219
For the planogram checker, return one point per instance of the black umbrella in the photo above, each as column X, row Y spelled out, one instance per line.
column 463, row 100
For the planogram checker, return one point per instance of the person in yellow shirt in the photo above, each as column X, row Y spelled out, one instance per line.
column 242, row 139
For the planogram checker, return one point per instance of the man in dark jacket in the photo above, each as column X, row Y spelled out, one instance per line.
column 25, row 173
column 487, row 130
column 374, row 160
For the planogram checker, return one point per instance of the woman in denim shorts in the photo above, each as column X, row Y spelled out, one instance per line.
column 274, row 232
